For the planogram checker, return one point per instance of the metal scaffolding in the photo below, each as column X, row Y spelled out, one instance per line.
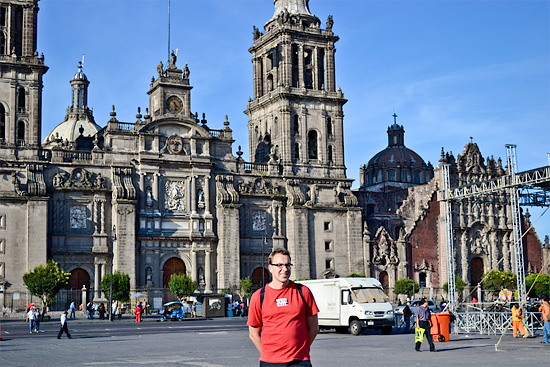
column 532, row 186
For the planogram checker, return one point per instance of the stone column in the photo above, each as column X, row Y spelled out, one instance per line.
column 193, row 194
column 330, row 78
column 142, row 189
column 206, row 190
column 207, row 271
column 315, row 68
column 301, row 66
column 297, row 226
column 156, row 184
column 193, row 263
column 96, row 280
column 256, row 62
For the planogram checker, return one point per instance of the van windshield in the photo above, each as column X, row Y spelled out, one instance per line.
column 366, row 295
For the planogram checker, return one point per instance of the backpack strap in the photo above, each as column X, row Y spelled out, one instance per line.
column 298, row 286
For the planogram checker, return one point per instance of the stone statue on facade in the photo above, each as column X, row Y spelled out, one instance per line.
column 160, row 69
column 330, row 23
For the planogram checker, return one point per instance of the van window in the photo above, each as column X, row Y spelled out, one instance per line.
column 345, row 296
column 365, row 295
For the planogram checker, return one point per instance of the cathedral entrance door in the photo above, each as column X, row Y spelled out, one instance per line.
column 79, row 278
column 476, row 271
column 172, row 266
column 260, row 278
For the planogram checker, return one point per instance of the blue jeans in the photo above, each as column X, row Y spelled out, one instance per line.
column 31, row 325
column 293, row 364
column 72, row 316
column 546, row 331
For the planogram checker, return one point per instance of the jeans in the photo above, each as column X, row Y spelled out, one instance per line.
column 72, row 316
column 427, row 334
column 288, row 364
column 31, row 325
column 546, row 331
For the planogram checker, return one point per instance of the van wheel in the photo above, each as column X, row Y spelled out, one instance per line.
column 355, row 327
column 386, row 330
column 341, row 329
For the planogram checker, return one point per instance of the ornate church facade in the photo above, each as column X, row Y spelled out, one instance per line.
column 165, row 194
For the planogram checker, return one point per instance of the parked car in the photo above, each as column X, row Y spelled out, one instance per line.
column 416, row 303
column 172, row 311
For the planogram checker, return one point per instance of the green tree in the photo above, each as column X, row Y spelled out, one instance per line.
column 45, row 281
column 246, row 287
column 356, row 275
column 182, row 286
column 542, row 284
column 459, row 285
column 121, row 286
column 496, row 280
column 405, row 286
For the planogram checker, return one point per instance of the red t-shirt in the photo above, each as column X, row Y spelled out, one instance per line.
column 282, row 318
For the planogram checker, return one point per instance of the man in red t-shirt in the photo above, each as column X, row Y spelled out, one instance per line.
column 283, row 325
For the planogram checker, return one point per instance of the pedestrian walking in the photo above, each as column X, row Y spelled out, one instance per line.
column 30, row 319
column 64, row 327
column 282, row 319
column 423, row 321
column 101, row 310
column 545, row 309
column 407, row 313
column 72, row 308
column 137, row 312
column 37, row 319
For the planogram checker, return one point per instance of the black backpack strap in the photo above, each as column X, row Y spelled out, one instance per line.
column 262, row 295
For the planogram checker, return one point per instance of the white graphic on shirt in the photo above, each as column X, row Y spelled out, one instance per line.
column 281, row 302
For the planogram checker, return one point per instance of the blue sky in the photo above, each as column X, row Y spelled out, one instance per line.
column 451, row 70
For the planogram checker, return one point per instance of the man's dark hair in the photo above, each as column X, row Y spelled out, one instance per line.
column 423, row 300
column 544, row 297
column 276, row 251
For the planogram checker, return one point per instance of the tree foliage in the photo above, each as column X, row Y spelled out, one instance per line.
column 542, row 284
column 496, row 280
column 356, row 275
column 459, row 285
column 246, row 287
column 181, row 286
column 405, row 286
column 45, row 281
column 121, row 286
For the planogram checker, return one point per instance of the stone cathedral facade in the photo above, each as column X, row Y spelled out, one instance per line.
column 165, row 194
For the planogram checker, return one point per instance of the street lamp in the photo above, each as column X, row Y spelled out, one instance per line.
column 113, row 239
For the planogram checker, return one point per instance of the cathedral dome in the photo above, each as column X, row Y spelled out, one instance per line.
column 79, row 120
column 396, row 166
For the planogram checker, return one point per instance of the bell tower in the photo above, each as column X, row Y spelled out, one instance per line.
column 21, row 77
column 297, row 112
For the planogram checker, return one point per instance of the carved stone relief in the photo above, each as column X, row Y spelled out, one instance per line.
column 174, row 196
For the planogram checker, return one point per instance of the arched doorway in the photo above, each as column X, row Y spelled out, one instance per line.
column 79, row 278
column 174, row 265
column 259, row 278
column 476, row 271
column 385, row 280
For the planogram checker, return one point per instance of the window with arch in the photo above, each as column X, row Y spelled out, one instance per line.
column 422, row 280
column 21, row 132
column 330, row 154
column 296, row 125
column 329, row 126
column 391, row 175
column 312, row 145
column 3, row 19
column 21, row 98
column 2, row 122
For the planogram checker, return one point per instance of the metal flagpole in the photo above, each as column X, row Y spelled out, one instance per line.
column 168, row 30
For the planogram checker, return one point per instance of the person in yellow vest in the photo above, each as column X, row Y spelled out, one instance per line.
column 517, row 323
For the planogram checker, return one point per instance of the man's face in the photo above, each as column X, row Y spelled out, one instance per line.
column 280, row 274
column 425, row 304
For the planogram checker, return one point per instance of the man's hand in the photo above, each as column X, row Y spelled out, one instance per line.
column 255, row 335
column 313, row 327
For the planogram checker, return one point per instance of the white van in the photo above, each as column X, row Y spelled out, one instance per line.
column 356, row 303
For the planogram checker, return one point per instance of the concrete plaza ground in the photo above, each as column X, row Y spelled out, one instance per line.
column 224, row 342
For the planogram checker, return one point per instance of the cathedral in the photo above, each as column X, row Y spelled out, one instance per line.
column 166, row 193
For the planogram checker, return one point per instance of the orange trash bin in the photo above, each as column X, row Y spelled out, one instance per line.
column 441, row 325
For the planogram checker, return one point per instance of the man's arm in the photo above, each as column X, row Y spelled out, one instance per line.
column 313, row 327
column 255, row 335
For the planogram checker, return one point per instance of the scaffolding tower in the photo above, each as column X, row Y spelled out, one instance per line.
column 532, row 186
